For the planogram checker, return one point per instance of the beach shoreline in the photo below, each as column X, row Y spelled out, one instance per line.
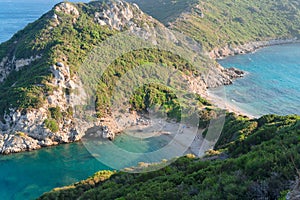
column 222, row 103
column 228, row 51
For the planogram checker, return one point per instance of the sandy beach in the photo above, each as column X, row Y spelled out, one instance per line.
column 183, row 138
column 225, row 104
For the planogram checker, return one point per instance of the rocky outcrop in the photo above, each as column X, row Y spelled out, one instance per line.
column 121, row 15
column 228, row 50
column 26, row 130
column 13, row 143
column 117, row 15
column 19, row 64
column 67, row 8
column 4, row 70
column 7, row 65
column 99, row 132
column 31, row 123
column 294, row 194
column 215, row 77
column 219, row 76
column 232, row 73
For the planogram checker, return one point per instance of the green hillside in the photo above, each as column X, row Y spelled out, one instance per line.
column 69, row 42
column 165, row 10
column 212, row 23
column 218, row 23
column 255, row 159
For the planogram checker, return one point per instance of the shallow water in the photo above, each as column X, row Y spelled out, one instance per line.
column 28, row 175
column 272, row 85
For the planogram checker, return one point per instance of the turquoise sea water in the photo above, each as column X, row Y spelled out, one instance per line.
column 272, row 83
column 27, row 175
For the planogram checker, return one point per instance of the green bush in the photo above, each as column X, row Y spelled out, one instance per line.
column 56, row 113
column 52, row 125
column 261, row 166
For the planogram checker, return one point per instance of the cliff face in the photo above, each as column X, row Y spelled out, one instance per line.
column 38, row 71
column 26, row 128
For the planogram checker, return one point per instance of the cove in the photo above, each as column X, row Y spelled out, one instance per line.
column 28, row 175
column 272, row 83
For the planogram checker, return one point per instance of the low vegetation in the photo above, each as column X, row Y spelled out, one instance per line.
column 262, row 159
column 71, row 43
column 165, row 10
column 157, row 93
column 52, row 125
column 218, row 23
column 213, row 24
column 68, row 42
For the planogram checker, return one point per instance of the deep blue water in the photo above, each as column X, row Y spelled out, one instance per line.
column 272, row 85
column 15, row 14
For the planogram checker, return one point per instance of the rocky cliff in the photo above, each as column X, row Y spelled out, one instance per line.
column 26, row 128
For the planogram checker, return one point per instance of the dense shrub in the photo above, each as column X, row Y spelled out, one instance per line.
column 52, row 125
column 56, row 113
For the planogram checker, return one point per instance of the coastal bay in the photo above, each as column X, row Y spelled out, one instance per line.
column 271, row 84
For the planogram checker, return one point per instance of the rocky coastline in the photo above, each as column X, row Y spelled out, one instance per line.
column 229, row 50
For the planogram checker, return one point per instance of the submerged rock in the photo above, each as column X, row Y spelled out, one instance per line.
column 294, row 194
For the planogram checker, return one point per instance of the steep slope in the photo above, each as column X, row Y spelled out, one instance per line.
column 165, row 10
column 263, row 159
column 39, row 71
column 224, row 25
